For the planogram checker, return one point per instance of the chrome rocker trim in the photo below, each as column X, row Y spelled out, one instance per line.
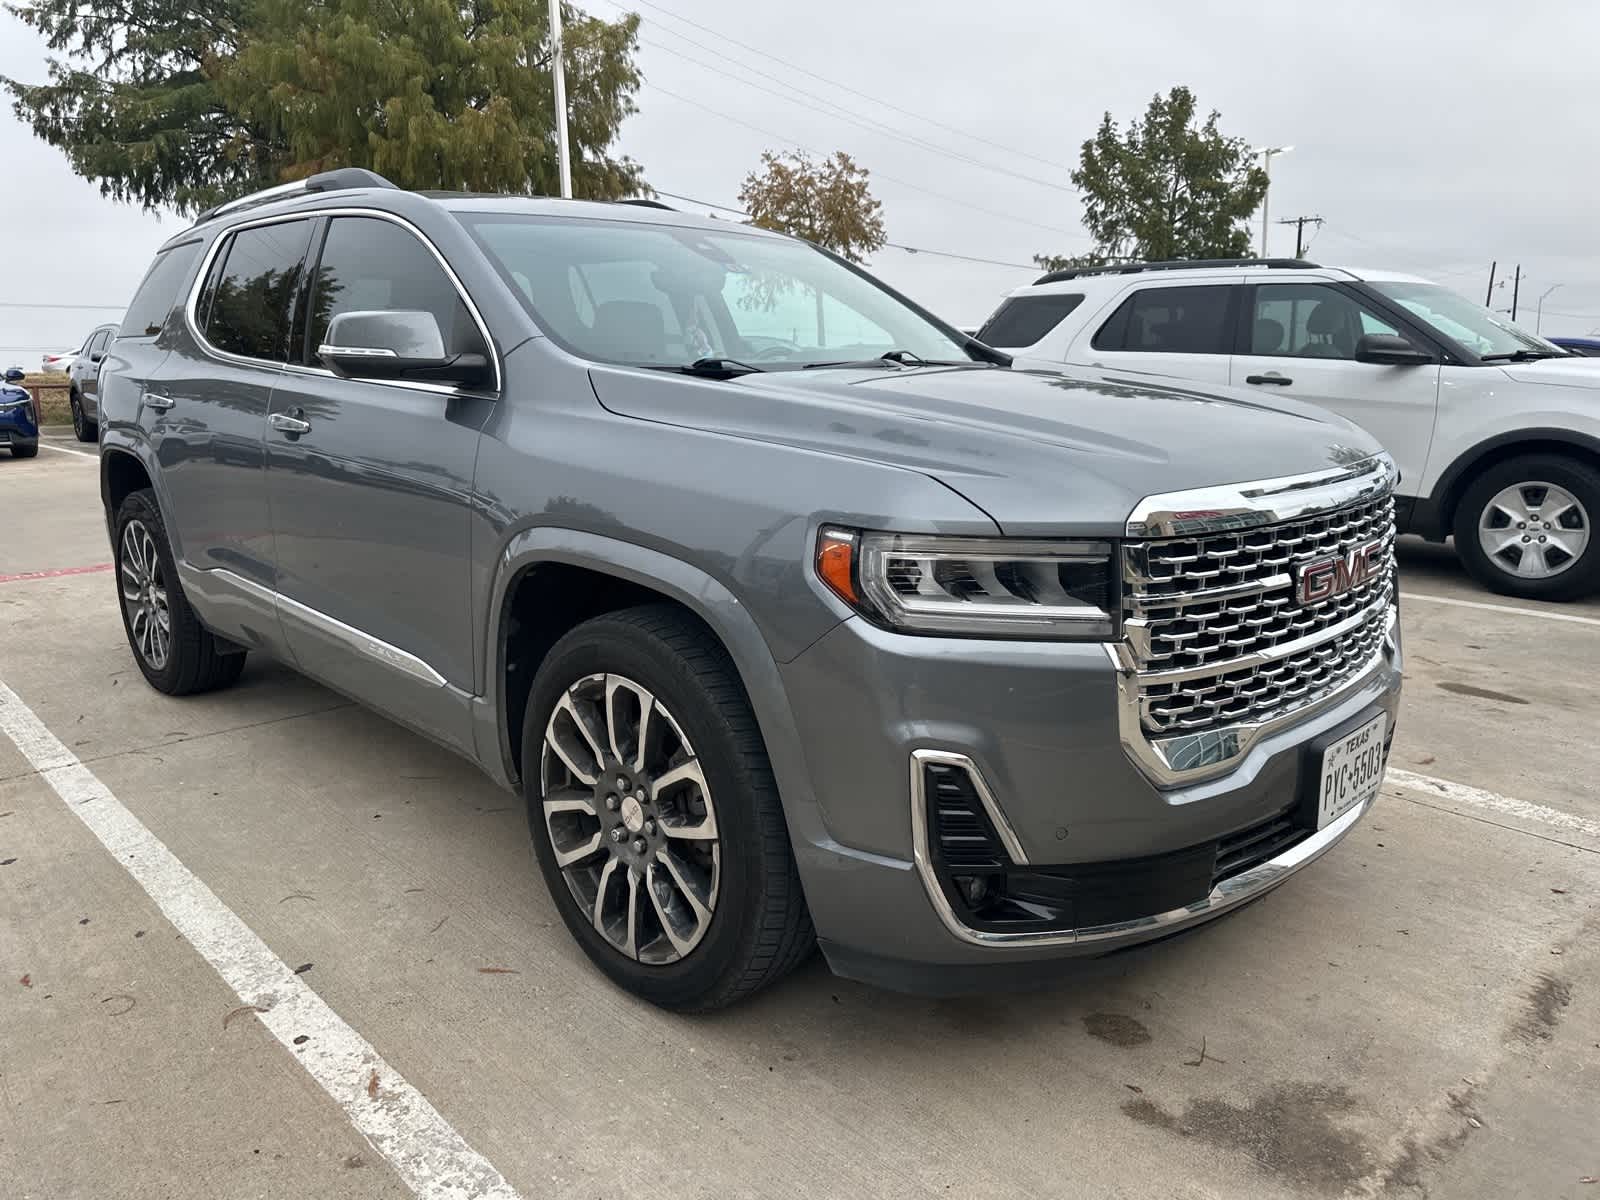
column 361, row 642
column 1230, row 893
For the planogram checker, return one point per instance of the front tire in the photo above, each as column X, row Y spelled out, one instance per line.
column 1525, row 527
column 176, row 654
column 655, row 817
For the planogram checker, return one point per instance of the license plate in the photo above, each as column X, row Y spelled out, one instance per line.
column 1352, row 770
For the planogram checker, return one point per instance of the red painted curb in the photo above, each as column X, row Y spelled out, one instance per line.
column 55, row 572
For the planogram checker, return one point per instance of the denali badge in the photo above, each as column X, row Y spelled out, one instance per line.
column 1325, row 578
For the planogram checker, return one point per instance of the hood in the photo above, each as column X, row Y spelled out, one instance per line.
column 1040, row 453
column 1556, row 372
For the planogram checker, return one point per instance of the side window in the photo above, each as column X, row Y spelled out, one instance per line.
column 252, row 288
column 153, row 302
column 1310, row 320
column 369, row 264
column 1023, row 320
column 97, row 342
column 1170, row 320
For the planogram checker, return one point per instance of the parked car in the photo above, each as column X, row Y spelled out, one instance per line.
column 1496, row 431
column 83, row 394
column 856, row 634
column 1586, row 346
column 19, row 423
column 58, row 362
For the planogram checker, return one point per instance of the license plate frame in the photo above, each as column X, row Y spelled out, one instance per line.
column 1348, row 770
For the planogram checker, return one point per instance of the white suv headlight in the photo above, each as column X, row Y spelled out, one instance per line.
column 973, row 587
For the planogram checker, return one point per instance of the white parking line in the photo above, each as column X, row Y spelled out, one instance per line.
column 66, row 449
column 1462, row 793
column 1502, row 608
column 432, row 1159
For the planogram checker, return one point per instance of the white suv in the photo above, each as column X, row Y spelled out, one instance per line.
column 1496, row 431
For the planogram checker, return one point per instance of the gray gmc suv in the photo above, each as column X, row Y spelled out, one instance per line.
column 794, row 613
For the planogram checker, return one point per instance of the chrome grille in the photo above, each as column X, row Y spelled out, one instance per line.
column 1217, row 635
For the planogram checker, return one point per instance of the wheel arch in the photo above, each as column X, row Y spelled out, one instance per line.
column 550, row 560
column 1435, row 519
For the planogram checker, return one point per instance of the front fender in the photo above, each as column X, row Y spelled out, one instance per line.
column 697, row 591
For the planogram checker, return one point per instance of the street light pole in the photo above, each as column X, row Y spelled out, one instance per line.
column 1266, row 153
column 558, row 72
column 1538, row 314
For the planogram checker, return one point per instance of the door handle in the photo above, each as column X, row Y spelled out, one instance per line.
column 157, row 402
column 287, row 422
column 1279, row 380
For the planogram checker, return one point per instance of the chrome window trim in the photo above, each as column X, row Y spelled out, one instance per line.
column 358, row 640
column 206, row 262
column 1236, row 506
column 1230, row 893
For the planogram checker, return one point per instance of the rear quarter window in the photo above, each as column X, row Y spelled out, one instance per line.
column 153, row 302
column 1023, row 320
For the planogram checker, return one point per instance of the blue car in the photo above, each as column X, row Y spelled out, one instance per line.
column 19, row 427
column 1586, row 346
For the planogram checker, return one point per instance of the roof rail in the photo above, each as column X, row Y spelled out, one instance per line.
column 327, row 181
column 1180, row 264
column 645, row 202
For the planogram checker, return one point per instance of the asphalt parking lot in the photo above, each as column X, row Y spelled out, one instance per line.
column 1418, row 1013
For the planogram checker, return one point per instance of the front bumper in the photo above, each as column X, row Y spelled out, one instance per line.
column 1039, row 723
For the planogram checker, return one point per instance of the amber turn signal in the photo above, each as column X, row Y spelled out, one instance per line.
column 836, row 555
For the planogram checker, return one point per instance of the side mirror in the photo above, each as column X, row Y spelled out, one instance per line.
column 400, row 344
column 15, row 374
column 97, row 356
column 1385, row 349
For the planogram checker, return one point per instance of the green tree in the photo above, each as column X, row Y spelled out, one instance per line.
column 167, row 102
column 827, row 203
column 1168, row 187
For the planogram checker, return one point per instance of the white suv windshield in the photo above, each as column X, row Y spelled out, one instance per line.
column 1485, row 333
column 667, row 296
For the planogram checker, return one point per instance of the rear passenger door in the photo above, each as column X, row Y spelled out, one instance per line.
column 1299, row 340
column 211, row 411
column 1183, row 330
column 370, row 486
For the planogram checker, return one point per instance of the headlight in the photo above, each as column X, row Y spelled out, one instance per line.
column 973, row 587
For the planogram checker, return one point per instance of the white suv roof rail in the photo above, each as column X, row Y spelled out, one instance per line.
column 1177, row 264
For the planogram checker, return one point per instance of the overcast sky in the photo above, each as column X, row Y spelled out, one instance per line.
column 1432, row 136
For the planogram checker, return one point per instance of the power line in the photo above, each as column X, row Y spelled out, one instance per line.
column 993, row 262
column 892, row 179
column 867, row 123
column 847, row 88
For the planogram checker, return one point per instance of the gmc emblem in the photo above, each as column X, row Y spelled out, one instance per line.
column 1325, row 578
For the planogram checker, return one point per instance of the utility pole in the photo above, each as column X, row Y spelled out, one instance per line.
column 1516, row 284
column 1488, row 296
column 1266, row 153
column 1538, row 316
column 1300, row 224
column 558, row 72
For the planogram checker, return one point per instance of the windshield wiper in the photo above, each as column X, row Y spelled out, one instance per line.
column 1521, row 356
column 719, row 368
column 897, row 358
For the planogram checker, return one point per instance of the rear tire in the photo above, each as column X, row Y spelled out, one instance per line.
column 758, row 927
column 1533, row 496
column 83, row 428
column 175, row 652
column 24, row 450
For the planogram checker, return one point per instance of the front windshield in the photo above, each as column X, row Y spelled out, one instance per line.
column 1473, row 326
column 666, row 296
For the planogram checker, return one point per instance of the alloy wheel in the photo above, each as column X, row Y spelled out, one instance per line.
column 144, row 595
column 629, row 814
column 1533, row 530
column 77, row 418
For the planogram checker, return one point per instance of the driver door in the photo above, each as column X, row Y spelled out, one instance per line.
column 1299, row 340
